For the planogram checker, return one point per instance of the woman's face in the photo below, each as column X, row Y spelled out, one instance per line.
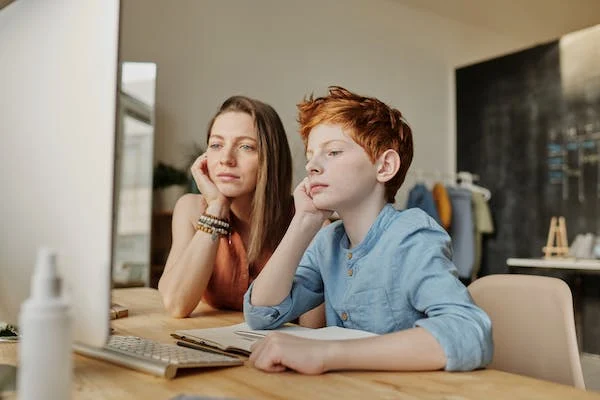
column 232, row 155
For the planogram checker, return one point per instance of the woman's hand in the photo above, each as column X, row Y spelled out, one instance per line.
column 305, row 206
column 279, row 351
column 207, row 187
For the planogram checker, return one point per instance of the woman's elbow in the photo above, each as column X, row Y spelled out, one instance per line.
column 175, row 307
column 178, row 312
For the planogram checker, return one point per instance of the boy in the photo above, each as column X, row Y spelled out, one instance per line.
column 378, row 269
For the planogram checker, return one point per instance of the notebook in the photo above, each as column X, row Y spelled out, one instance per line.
column 238, row 339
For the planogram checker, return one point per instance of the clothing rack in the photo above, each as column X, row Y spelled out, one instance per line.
column 460, row 207
column 421, row 174
column 464, row 179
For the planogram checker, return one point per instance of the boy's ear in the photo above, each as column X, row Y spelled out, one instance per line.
column 388, row 165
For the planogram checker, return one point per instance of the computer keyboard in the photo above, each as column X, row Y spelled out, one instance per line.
column 154, row 358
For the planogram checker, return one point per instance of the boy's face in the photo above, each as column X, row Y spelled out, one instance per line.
column 340, row 173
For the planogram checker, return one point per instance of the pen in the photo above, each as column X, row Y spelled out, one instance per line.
column 249, row 335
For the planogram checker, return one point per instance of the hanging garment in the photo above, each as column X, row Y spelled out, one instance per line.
column 483, row 225
column 420, row 197
column 462, row 230
column 442, row 204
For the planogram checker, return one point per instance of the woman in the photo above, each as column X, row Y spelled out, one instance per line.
column 223, row 237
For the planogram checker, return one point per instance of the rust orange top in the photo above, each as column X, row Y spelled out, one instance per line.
column 231, row 274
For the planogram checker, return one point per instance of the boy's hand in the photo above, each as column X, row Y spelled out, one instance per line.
column 207, row 188
column 279, row 351
column 304, row 203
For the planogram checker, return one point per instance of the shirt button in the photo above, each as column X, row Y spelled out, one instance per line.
column 349, row 256
column 344, row 316
column 350, row 272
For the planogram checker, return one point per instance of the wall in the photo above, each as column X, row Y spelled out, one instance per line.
column 281, row 51
column 528, row 23
column 530, row 127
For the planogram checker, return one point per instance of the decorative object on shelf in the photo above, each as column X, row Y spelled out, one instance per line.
column 557, row 245
column 585, row 246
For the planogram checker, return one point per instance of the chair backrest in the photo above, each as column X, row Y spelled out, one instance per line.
column 533, row 326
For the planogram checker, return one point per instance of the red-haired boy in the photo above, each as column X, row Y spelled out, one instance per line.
column 377, row 269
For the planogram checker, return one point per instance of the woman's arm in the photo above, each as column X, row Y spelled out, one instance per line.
column 409, row 350
column 314, row 318
column 191, row 259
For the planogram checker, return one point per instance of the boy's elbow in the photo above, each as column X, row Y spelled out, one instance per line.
column 487, row 344
column 473, row 349
column 482, row 347
column 254, row 320
column 258, row 319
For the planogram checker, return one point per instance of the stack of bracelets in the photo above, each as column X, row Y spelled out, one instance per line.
column 213, row 225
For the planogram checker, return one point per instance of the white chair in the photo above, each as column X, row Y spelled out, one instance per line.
column 533, row 326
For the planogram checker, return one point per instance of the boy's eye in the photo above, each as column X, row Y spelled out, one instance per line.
column 214, row 146
column 334, row 153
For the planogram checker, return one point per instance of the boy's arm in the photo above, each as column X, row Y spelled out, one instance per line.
column 409, row 350
column 305, row 292
column 463, row 330
column 274, row 282
column 412, row 349
column 269, row 302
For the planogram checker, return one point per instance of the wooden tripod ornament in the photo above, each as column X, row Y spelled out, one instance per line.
column 557, row 245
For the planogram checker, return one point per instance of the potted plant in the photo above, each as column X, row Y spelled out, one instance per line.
column 169, row 184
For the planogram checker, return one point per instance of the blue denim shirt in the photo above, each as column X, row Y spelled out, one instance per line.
column 399, row 277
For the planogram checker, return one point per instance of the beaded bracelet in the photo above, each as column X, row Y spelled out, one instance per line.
column 213, row 230
column 211, row 220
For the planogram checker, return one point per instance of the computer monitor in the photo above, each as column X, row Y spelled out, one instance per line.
column 58, row 89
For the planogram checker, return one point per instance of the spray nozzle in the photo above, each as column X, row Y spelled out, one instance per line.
column 45, row 281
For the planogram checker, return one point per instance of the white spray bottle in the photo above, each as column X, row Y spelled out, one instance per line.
column 45, row 323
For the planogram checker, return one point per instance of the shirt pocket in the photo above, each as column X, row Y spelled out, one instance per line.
column 368, row 310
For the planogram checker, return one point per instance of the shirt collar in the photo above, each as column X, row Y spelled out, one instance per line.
column 381, row 223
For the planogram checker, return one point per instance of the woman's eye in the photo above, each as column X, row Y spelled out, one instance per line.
column 247, row 147
column 215, row 145
column 334, row 153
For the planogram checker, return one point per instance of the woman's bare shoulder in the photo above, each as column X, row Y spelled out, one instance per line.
column 190, row 205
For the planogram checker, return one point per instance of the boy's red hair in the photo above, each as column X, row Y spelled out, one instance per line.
column 372, row 124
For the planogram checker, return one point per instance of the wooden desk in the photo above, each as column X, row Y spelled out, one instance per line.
column 99, row 380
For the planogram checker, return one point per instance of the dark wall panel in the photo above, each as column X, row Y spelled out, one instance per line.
column 537, row 150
